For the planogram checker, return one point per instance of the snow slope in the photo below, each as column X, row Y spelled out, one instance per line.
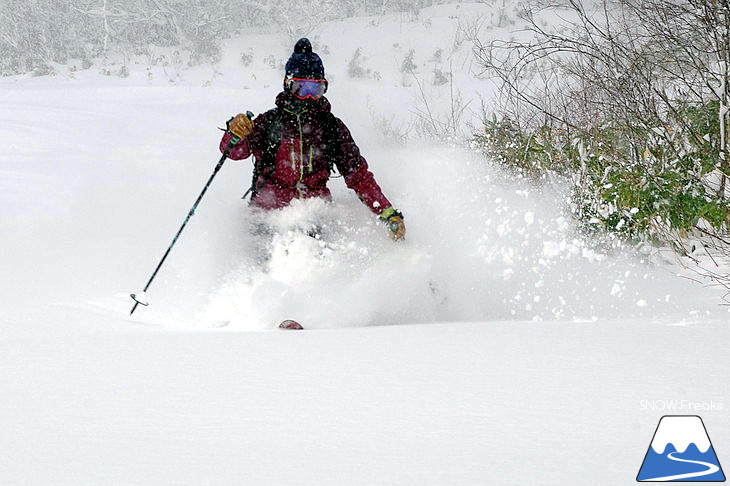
column 539, row 344
column 469, row 403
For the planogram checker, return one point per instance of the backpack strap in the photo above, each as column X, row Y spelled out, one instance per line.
column 265, row 167
column 331, row 140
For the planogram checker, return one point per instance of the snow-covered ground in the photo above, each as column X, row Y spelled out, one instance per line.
column 454, row 403
column 493, row 346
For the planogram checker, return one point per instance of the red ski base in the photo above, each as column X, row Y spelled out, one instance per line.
column 289, row 324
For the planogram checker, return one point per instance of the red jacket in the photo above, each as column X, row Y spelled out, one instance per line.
column 301, row 168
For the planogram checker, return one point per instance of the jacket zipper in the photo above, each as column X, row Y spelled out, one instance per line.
column 301, row 147
column 301, row 150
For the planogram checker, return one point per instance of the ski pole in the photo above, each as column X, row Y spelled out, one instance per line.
column 141, row 299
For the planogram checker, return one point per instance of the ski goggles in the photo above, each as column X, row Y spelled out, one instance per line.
column 307, row 88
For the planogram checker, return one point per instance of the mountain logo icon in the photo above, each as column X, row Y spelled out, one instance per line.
column 681, row 451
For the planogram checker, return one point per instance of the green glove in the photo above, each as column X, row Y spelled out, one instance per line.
column 394, row 221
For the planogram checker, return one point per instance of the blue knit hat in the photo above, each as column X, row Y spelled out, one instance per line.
column 304, row 63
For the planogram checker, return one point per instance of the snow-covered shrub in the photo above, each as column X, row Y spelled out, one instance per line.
column 639, row 181
column 274, row 63
column 204, row 51
column 391, row 132
column 408, row 65
column 439, row 77
column 246, row 58
column 355, row 68
column 629, row 102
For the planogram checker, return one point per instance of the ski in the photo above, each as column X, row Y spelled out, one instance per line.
column 289, row 324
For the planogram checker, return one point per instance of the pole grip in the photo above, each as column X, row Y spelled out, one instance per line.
column 234, row 138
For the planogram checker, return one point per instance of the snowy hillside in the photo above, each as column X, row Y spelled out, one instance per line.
column 493, row 346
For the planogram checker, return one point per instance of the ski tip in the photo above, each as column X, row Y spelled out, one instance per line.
column 289, row 324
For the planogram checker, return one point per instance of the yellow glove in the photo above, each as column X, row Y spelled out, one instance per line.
column 394, row 220
column 240, row 125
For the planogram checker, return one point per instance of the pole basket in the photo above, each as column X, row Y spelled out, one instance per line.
column 140, row 298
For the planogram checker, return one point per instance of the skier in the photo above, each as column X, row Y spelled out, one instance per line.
column 297, row 144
